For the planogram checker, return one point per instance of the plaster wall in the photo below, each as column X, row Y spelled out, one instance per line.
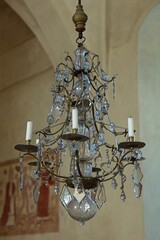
column 149, row 102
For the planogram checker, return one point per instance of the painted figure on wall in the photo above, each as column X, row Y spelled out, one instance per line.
column 18, row 212
column 9, row 211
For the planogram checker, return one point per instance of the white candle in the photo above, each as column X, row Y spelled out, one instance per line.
column 75, row 118
column 130, row 127
column 29, row 130
column 37, row 141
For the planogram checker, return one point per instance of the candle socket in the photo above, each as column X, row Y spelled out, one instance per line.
column 131, row 139
column 28, row 142
column 74, row 130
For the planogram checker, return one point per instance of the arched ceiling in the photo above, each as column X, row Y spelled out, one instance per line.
column 8, row 28
column 50, row 21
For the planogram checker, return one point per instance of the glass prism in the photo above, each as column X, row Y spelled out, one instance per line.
column 137, row 174
column 65, row 196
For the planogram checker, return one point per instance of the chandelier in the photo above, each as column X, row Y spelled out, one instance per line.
column 80, row 148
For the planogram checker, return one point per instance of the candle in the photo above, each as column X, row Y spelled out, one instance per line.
column 29, row 130
column 74, row 118
column 130, row 127
column 37, row 141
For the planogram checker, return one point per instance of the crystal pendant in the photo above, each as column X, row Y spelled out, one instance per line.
column 80, row 54
column 86, row 82
column 102, row 137
column 35, row 174
column 86, row 168
column 36, row 192
column 65, row 196
column 137, row 174
column 123, row 196
column 78, row 194
column 77, row 89
column 66, row 75
column 137, row 190
column 112, row 127
column 56, row 188
column 105, row 106
column 100, row 197
column 137, row 154
column 58, row 76
column 104, row 76
column 114, row 183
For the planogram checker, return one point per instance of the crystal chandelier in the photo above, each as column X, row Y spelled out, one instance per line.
column 79, row 148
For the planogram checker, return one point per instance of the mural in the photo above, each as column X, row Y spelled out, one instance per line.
column 19, row 214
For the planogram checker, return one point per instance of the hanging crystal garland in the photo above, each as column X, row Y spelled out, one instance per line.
column 74, row 148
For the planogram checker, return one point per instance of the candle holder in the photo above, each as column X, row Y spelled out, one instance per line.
column 26, row 147
column 131, row 145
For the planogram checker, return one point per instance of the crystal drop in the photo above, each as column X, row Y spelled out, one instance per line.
column 137, row 154
column 114, row 183
column 105, row 106
column 80, row 55
column 65, row 196
column 123, row 196
column 58, row 76
column 36, row 192
column 104, row 76
column 50, row 119
column 56, row 189
column 100, row 197
column 112, row 127
column 99, row 105
column 77, row 89
column 86, row 82
column 66, row 74
column 82, row 222
column 35, row 174
column 79, row 195
column 137, row 174
column 137, row 190
column 101, row 136
column 84, row 206
column 98, row 115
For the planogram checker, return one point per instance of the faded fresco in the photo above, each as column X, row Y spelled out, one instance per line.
column 19, row 214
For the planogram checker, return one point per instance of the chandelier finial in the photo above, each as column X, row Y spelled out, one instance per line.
column 80, row 19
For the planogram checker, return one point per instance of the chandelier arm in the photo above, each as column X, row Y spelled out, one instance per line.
column 42, row 130
column 51, row 172
column 96, row 79
column 109, row 130
column 61, row 86
column 29, row 154
column 130, row 151
column 92, row 83
column 51, row 134
column 130, row 163
column 54, row 141
column 108, row 173
column 105, row 180
column 98, row 63
column 121, row 133
column 65, row 65
column 95, row 124
column 68, row 57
